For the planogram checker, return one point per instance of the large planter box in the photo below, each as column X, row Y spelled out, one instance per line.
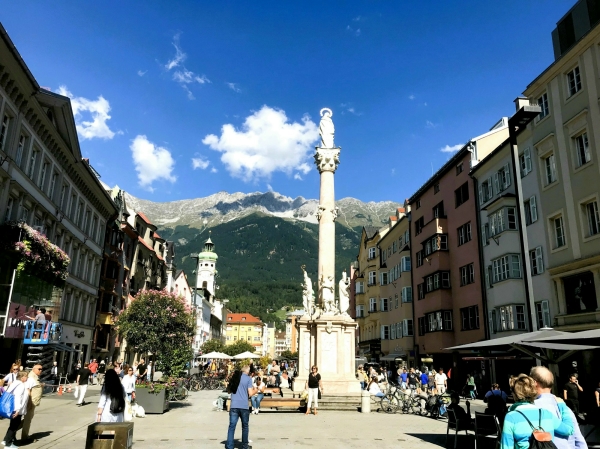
column 152, row 402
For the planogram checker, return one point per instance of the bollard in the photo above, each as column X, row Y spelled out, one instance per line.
column 59, row 390
column 365, row 402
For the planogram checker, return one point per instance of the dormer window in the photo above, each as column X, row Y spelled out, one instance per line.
column 243, row 318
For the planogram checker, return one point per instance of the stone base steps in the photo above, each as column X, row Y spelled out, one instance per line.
column 334, row 402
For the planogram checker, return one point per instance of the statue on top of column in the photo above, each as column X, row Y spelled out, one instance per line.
column 344, row 292
column 326, row 128
column 308, row 296
column 327, row 294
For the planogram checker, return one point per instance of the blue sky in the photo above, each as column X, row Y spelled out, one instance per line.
column 184, row 99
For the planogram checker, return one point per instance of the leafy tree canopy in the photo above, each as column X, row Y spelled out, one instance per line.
column 287, row 354
column 212, row 346
column 238, row 347
column 160, row 323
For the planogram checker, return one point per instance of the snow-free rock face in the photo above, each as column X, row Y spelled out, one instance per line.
column 223, row 207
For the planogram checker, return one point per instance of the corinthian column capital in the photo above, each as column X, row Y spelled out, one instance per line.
column 327, row 159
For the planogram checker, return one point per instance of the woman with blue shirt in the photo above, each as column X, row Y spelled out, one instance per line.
column 517, row 428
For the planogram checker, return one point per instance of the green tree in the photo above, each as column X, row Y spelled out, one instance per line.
column 160, row 323
column 287, row 354
column 213, row 345
column 238, row 347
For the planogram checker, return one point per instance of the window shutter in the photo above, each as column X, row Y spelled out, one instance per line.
column 484, row 239
column 481, row 200
column 546, row 312
column 491, row 321
column 393, row 332
column 533, row 209
column 586, row 148
column 539, row 259
column 381, row 333
column 398, row 330
column 381, row 304
column 507, row 175
column 496, row 183
column 404, row 327
column 490, row 189
column 527, row 155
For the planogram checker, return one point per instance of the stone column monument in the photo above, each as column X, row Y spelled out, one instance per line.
column 326, row 333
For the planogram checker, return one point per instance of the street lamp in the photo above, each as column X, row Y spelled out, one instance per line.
column 516, row 124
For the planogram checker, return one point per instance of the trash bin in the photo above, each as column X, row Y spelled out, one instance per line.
column 109, row 435
column 365, row 402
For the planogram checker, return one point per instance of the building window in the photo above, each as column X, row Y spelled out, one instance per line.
column 43, row 174
column 406, row 294
column 485, row 234
column 32, row 160
column 542, row 312
column 582, row 149
column 372, row 304
column 469, row 318
column 438, row 210
column 467, row 274
column 406, row 263
column 407, row 328
column 438, row 280
column 20, row 150
column 360, row 287
column 385, row 332
column 511, row 213
column 383, row 278
column 419, row 258
column 52, row 185
column 520, row 316
column 436, row 188
column 422, row 326
column 461, row 194
column 372, row 277
column 372, row 253
column 543, row 103
column 506, row 267
column 4, row 132
column 531, row 215
column 486, row 191
column 418, row 204
column 419, row 224
column 436, row 243
column 9, row 208
column 559, row 232
column 574, row 81
column 464, row 234
column 385, row 303
column 459, row 169
column 502, row 179
column 593, row 218
column 492, row 321
column 537, row 261
column 550, row 167
column 525, row 162
column 421, row 290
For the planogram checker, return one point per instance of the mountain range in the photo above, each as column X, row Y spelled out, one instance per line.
column 261, row 239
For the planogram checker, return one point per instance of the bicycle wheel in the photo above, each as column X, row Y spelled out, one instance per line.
column 195, row 385
column 389, row 404
column 181, row 393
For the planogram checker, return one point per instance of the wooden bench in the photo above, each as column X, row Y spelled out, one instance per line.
column 268, row 402
column 273, row 391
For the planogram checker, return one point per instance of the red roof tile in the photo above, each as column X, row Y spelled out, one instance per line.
column 143, row 217
column 393, row 218
column 401, row 209
column 237, row 318
column 156, row 236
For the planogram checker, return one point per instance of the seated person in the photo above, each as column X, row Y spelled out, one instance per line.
column 220, row 402
column 258, row 397
column 285, row 380
column 497, row 407
column 374, row 389
column 495, row 391
column 459, row 412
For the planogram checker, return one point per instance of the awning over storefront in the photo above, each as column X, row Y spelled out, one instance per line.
column 392, row 357
column 62, row 347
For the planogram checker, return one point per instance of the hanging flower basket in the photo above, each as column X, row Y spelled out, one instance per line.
column 33, row 253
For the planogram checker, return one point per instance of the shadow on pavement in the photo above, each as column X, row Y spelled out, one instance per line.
column 173, row 405
column 35, row 437
column 464, row 441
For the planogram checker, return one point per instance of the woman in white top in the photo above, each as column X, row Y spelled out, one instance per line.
column 112, row 391
column 12, row 376
column 374, row 389
column 21, row 395
column 128, row 383
column 260, row 394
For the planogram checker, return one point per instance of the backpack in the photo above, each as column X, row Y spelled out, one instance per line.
column 539, row 439
column 117, row 405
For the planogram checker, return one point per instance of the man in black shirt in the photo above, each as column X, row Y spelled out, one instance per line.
column 142, row 368
column 413, row 380
column 82, row 383
column 571, row 394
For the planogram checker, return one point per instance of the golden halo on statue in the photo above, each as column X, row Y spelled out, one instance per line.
column 326, row 110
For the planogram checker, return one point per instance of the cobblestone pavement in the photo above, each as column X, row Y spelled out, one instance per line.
column 59, row 423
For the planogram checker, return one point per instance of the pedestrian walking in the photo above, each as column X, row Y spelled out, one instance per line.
column 240, row 387
column 544, row 380
column 424, row 378
column 524, row 417
column 128, row 383
column 470, row 386
column 35, row 390
column 111, row 407
column 83, row 378
column 54, row 373
column 571, row 393
column 149, row 371
column 20, row 393
column 441, row 381
column 413, row 379
column 94, row 370
column 314, row 386
column 403, row 379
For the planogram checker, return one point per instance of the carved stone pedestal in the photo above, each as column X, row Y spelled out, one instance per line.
column 328, row 342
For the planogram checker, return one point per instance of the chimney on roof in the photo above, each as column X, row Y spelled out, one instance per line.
column 521, row 102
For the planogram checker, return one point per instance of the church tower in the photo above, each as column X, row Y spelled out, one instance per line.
column 207, row 267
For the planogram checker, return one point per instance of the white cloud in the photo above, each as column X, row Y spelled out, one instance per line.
column 179, row 57
column 142, row 72
column 357, row 19
column 151, row 162
column 267, row 142
column 347, row 107
column 430, row 124
column 234, row 87
column 198, row 162
column 96, row 110
column 182, row 75
column 269, row 188
column 411, row 97
column 451, row 149
column 213, row 170
column 298, row 177
column 356, row 32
